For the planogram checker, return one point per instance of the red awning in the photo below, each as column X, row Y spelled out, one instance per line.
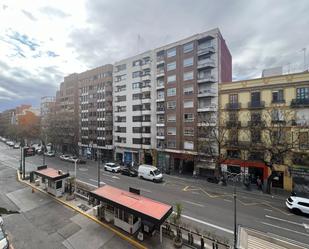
column 135, row 202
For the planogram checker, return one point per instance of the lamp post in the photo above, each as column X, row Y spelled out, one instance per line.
column 75, row 166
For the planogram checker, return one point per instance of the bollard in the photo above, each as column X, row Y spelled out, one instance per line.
column 202, row 243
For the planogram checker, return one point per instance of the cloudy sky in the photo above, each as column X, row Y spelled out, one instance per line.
column 43, row 41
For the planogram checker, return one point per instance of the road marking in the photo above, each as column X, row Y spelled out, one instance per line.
column 208, row 224
column 115, row 177
column 287, row 221
column 283, row 228
column 268, row 210
column 146, row 190
column 227, row 200
column 194, row 203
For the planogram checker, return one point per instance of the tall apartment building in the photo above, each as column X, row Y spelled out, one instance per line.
column 187, row 76
column 67, row 109
column 265, row 114
column 134, row 109
column 96, row 112
column 47, row 105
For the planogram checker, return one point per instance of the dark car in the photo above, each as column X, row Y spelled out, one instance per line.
column 129, row 171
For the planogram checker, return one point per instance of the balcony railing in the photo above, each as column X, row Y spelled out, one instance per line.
column 207, row 92
column 205, row 50
column 256, row 123
column 300, row 103
column 233, row 123
column 160, row 109
column 256, row 104
column 206, row 78
column 233, row 106
column 206, row 63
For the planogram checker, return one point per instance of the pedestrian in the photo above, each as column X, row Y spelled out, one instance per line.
column 194, row 174
column 259, row 183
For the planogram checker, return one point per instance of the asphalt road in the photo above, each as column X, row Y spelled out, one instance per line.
column 206, row 207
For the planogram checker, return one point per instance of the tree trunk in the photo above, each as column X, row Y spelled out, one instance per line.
column 269, row 181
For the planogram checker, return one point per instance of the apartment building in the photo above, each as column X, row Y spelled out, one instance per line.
column 268, row 118
column 66, row 111
column 47, row 105
column 187, row 75
column 133, row 109
column 96, row 112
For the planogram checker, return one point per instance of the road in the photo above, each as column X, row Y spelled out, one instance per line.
column 206, row 207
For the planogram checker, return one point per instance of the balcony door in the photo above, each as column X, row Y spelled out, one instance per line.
column 255, row 97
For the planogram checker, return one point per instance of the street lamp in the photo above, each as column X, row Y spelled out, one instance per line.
column 75, row 166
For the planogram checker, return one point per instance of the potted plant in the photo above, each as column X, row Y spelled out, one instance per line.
column 177, row 217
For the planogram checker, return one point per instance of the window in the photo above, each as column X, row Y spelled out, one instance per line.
column 188, row 62
column 188, row 145
column 278, row 96
column 233, row 98
column 171, row 131
column 121, row 67
column 171, row 92
column 171, row 118
column 171, row 105
column 188, row 47
column 188, row 117
column 255, row 136
column 277, row 115
column 189, row 131
column 171, row 78
column 136, row 85
column 303, row 204
column 303, row 140
column 188, row 76
column 136, row 74
column 171, row 52
column 187, row 103
column 302, row 93
column 171, row 66
column 160, row 95
column 255, row 97
column 171, row 143
column 188, row 90
column 136, row 63
column 136, row 140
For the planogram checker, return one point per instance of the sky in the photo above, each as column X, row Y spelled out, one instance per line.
column 44, row 41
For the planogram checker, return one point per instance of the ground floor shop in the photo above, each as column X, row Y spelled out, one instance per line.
column 129, row 156
column 128, row 210
column 93, row 153
column 300, row 177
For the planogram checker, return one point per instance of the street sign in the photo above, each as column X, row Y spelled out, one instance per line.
column 29, row 151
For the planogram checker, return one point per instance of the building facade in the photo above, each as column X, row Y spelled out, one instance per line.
column 187, row 76
column 267, row 119
column 134, row 109
column 96, row 112
column 47, row 105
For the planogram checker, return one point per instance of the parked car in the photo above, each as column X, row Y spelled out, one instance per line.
column 10, row 143
column 64, row 157
column 79, row 160
column 298, row 204
column 112, row 167
column 16, row 146
column 1, row 221
column 4, row 243
column 129, row 171
column 49, row 153
column 150, row 172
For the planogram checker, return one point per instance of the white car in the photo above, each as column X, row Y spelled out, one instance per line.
column 112, row 167
column 1, row 222
column 10, row 143
column 49, row 153
column 298, row 204
column 4, row 243
column 65, row 157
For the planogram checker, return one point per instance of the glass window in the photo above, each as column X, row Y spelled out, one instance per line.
column 188, row 75
column 171, row 118
column 188, row 117
column 277, row 96
column 136, row 85
column 188, row 62
column 171, row 66
column 171, row 131
column 188, row 47
column 302, row 93
column 171, row 52
column 189, row 131
column 160, row 95
column 171, row 78
column 136, row 74
column 188, row 103
column 188, row 90
column 188, row 145
column 171, row 104
column 171, row 144
column 171, row 92
column 233, row 98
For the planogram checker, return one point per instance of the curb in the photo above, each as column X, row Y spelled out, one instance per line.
column 121, row 235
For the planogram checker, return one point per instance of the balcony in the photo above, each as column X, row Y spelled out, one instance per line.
column 207, row 108
column 160, row 123
column 206, row 79
column 233, row 124
column 160, row 110
column 205, row 50
column 160, row 136
column 206, row 122
column 146, row 77
column 160, row 85
column 160, row 73
column 206, row 63
column 160, row 60
column 160, row 99
column 299, row 103
column 233, row 106
column 256, row 123
column 212, row 92
column 256, row 105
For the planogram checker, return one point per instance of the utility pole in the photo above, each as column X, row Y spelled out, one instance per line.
column 235, row 219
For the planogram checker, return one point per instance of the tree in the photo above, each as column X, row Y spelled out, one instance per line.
column 272, row 134
column 62, row 129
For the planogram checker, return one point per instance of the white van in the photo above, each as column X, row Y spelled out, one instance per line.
column 150, row 172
